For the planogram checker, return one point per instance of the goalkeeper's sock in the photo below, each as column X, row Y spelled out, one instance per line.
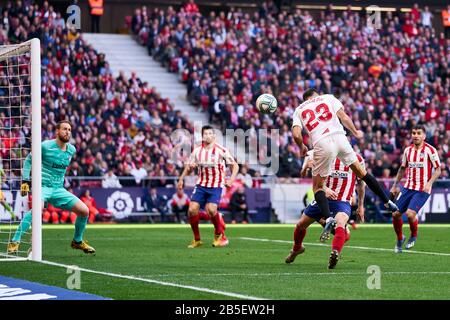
column 80, row 226
column 299, row 235
column 193, row 220
column 339, row 239
column 23, row 227
column 9, row 209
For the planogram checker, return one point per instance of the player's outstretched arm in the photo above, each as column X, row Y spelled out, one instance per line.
column 348, row 123
column 27, row 168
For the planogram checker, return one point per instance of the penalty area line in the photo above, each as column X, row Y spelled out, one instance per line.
column 351, row 247
column 162, row 283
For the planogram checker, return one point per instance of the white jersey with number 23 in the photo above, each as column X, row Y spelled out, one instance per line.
column 318, row 116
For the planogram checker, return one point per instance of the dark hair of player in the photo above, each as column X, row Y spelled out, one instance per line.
column 420, row 127
column 206, row 128
column 58, row 125
column 308, row 93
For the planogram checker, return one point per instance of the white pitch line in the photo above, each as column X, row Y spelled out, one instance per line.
column 300, row 274
column 163, row 283
column 352, row 247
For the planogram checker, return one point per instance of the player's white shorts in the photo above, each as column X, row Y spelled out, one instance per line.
column 327, row 149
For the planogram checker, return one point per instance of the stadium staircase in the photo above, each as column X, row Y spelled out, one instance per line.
column 123, row 53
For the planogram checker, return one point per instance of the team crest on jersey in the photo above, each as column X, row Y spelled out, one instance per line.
column 421, row 155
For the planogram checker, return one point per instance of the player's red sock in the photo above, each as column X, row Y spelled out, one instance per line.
column 224, row 226
column 193, row 220
column 204, row 216
column 398, row 225
column 339, row 239
column 414, row 225
column 299, row 235
column 217, row 221
column 347, row 235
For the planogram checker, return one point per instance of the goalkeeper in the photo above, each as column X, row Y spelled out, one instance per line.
column 56, row 156
column 2, row 197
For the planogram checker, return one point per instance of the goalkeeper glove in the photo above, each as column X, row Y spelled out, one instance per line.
column 24, row 188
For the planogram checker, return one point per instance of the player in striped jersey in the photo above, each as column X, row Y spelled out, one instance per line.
column 419, row 159
column 210, row 159
column 339, row 189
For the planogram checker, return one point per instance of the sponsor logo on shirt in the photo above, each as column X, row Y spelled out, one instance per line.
column 415, row 164
column 58, row 166
column 339, row 174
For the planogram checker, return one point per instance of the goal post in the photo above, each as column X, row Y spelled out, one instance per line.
column 20, row 122
column 36, row 163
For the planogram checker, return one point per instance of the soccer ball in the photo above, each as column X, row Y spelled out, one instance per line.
column 266, row 103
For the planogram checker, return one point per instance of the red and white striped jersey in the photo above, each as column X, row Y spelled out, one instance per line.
column 211, row 164
column 342, row 179
column 419, row 165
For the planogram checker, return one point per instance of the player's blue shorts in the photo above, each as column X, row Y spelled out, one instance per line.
column 313, row 210
column 411, row 199
column 204, row 195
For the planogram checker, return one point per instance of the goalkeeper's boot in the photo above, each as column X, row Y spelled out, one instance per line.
column 195, row 244
column 411, row 242
column 83, row 245
column 13, row 247
column 329, row 225
column 399, row 245
column 220, row 240
column 334, row 258
column 293, row 254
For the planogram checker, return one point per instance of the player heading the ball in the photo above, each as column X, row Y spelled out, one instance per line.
column 321, row 116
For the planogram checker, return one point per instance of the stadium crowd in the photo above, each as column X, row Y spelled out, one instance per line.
column 121, row 127
column 388, row 78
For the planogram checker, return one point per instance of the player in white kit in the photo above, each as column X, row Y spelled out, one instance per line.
column 321, row 116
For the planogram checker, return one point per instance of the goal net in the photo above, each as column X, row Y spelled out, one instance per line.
column 20, row 133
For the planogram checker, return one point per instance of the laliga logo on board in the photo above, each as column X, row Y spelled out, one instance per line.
column 120, row 204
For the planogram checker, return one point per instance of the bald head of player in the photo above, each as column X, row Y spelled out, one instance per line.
column 208, row 135
column 63, row 131
column 310, row 94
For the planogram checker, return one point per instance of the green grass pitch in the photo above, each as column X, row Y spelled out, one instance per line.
column 153, row 262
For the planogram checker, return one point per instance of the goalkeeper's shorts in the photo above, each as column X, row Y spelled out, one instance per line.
column 59, row 198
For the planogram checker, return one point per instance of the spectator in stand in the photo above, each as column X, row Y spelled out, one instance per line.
column 155, row 203
column 245, row 177
column 238, row 204
column 138, row 173
column 90, row 202
column 180, row 204
column 96, row 7
column 191, row 7
column 446, row 21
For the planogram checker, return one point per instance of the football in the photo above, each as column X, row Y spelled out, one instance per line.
column 266, row 103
